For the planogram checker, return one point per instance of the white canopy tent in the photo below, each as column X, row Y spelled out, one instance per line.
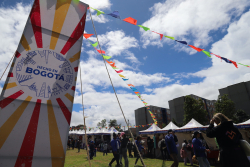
column 171, row 125
column 151, row 130
column 245, row 124
column 191, row 126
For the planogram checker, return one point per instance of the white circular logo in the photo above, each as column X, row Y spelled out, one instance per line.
column 45, row 73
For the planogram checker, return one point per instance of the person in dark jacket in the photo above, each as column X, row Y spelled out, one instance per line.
column 171, row 146
column 130, row 147
column 115, row 145
column 150, row 146
column 124, row 143
column 79, row 145
column 199, row 150
column 91, row 149
column 228, row 138
column 73, row 144
column 139, row 146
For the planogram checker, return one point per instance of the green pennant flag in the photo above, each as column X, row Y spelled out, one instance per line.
column 114, row 68
column 98, row 11
column 207, row 53
column 145, row 28
column 169, row 37
column 106, row 57
column 95, row 44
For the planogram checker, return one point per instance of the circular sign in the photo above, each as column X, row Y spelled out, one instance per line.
column 44, row 73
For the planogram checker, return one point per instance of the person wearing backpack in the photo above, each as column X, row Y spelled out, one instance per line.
column 228, row 138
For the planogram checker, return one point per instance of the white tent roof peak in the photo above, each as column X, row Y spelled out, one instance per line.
column 152, row 129
column 171, row 125
column 192, row 124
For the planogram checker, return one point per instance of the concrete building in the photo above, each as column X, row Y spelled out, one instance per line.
column 177, row 107
column 240, row 94
column 142, row 117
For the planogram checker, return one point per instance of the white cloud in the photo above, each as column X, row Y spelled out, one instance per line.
column 12, row 20
column 184, row 19
column 97, row 4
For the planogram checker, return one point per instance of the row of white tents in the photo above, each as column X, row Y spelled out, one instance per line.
column 190, row 126
column 103, row 131
column 153, row 129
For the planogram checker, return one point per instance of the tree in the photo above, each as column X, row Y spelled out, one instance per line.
column 102, row 124
column 113, row 122
column 177, row 124
column 225, row 106
column 194, row 109
column 241, row 116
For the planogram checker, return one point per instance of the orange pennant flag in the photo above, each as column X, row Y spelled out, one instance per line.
column 137, row 92
column 130, row 20
column 131, row 85
column 87, row 35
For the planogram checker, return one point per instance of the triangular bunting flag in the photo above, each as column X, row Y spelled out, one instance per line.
column 137, row 92
column 87, row 35
column 95, row 44
column 145, row 28
column 131, row 85
column 119, row 71
column 169, row 37
column 115, row 14
column 130, row 20
column 198, row 49
column 106, row 57
column 207, row 53
column 234, row 63
column 161, row 35
column 183, row 42
column 114, row 68
column 121, row 76
column 101, row 51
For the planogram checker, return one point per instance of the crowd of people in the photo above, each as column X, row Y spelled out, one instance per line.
column 226, row 134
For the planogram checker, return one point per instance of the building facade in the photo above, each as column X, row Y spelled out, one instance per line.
column 177, row 107
column 143, row 117
column 240, row 94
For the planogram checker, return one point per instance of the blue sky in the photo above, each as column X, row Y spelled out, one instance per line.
column 160, row 70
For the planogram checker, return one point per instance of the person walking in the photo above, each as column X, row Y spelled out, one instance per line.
column 171, row 146
column 183, row 151
column 78, row 145
column 199, row 150
column 73, row 144
column 105, row 148
column 91, row 149
column 130, row 147
column 189, row 152
column 150, row 146
column 228, row 138
column 124, row 150
column 139, row 146
column 115, row 145
column 163, row 148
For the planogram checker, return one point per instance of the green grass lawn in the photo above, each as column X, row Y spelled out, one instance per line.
column 75, row 159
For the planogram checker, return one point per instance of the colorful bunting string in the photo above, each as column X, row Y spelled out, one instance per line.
column 134, row 22
column 112, row 64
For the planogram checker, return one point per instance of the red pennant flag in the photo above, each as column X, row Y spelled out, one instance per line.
column 130, row 20
column 161, row 35
column 119, row 71
column 87, row 35
column 198, row 49
column 235, row 64
column 101, row 51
